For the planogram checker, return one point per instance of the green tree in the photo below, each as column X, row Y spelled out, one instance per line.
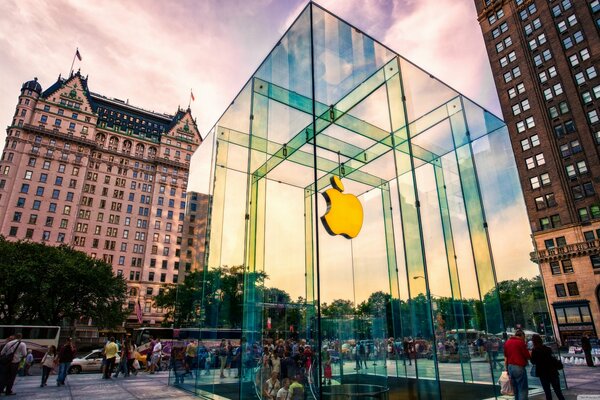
column 337, row 308
column 46, row 284
column 208, row 298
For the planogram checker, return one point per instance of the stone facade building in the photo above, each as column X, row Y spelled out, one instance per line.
column 103, row 176
column 545, row 58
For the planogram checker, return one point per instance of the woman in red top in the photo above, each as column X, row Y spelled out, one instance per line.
column 516, row 358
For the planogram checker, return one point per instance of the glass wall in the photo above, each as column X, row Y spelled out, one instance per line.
column 367, row 233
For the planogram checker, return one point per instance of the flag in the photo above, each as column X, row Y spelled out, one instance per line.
column 78, row 55
column 269, row 323
column 192, row 96
column 138, row 311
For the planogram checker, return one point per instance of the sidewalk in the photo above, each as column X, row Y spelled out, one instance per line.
column 92, row 387
column 581, row 380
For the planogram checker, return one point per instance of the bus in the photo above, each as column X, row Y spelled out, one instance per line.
column 37, row 338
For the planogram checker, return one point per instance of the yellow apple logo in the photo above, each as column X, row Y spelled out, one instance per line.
column 344, row 214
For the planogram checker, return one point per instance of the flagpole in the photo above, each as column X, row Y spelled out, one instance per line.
column 190, row 99
column 73, row 63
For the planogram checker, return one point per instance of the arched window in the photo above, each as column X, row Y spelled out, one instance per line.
column 139, row 149
column 100, row 139
column 113, row 143
column 152, row 152
column 127, row 146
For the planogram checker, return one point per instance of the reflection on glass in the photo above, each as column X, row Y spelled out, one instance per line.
column 422, row 299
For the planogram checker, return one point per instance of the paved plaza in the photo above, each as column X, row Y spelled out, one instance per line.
column 582, row 381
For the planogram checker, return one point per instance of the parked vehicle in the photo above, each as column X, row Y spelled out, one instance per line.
column 91, row 362
column 37, row 338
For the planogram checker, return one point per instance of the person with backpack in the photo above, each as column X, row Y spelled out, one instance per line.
column 10, row 357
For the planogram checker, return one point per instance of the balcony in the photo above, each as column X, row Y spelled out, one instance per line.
column 60, row 135
column 580, row 249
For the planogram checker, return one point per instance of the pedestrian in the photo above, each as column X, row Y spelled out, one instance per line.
column 191, row 353
column 156, row 353
column 222, row 357
column 28, row 362
column 10, row 357
column 516, row 359
column 208, row 362
column 406, row 351
column 327, row 370
column 272, row 386
column 283, row 392
column 124, row 361
column 586, row 346
column 65, row 357
column 546, row 367
column 296, row 390
column 110, row 351
column 48, row 362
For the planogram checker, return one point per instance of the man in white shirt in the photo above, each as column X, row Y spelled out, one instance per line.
column 18, row 349
column 156, row 352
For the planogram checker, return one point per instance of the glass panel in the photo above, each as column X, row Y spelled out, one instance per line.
column 414, row 303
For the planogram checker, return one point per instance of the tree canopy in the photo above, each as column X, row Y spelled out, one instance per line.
column 42, row 284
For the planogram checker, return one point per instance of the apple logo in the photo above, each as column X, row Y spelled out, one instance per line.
column 344, row 214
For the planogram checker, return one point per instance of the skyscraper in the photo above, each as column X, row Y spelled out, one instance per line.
column 103, row 176
column 545, row 58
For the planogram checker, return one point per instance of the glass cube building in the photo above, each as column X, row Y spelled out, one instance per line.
column 421, row 269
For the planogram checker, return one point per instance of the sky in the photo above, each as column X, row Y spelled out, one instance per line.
column 154, row 52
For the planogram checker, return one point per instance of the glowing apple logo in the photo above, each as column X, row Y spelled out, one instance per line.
column 344, row 214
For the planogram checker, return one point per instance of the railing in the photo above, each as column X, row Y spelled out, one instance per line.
column 570, row 250
column 57, row 133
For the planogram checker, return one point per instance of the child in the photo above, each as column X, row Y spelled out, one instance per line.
column 48, row 362
column 28, row 362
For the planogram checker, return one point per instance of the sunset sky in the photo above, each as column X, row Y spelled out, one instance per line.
column 153, row 52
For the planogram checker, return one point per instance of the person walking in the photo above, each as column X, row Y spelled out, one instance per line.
column 65, row 357
column 110, row 351
column 124, row 362
column 516, row 358
column 222, row 357
column 13, row 351
column 586, row 346
column 546, row 368
column 48, row 362
column 28, row 362
column 156, row 353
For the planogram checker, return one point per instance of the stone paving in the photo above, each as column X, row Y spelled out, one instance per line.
column 582, row 381
column 92, row 387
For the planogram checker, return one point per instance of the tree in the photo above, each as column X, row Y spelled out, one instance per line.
column 337, row 308
column 46, row 284
column 209, row 298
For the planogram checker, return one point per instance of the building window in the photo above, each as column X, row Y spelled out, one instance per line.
column 555, row 267
column 595, row 260
column 560, row 290
column 573, row 289
column 567, row 266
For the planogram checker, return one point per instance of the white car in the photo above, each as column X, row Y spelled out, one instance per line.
column 91, row 362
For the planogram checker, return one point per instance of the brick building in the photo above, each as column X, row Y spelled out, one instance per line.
column 103, row 176
column 545, row 58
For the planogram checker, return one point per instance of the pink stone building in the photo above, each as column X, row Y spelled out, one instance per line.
column 103, row 176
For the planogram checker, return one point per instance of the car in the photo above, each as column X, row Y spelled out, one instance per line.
column 91, row 362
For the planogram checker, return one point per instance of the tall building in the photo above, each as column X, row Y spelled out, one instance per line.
column 545, row 59
column 194, row 233
column 103, row 176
